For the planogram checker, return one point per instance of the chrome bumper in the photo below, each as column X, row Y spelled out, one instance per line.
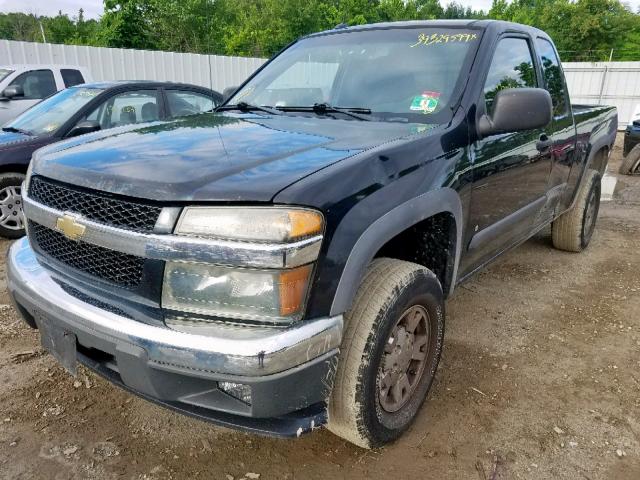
column 221, row 349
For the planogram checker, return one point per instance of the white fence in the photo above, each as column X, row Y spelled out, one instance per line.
column 607, row 83
column 212, row 71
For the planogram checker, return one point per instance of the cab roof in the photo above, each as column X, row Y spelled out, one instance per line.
column 497, row 26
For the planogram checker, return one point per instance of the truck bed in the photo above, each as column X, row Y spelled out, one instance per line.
column 584, row 112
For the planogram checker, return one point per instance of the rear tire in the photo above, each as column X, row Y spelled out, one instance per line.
column 390, row 352
column 11, row 216
column 631, row 163
column 572, row 231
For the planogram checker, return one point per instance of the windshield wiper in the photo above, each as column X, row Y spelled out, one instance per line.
column 245, row 107
column 323, row 108
column 17, row 130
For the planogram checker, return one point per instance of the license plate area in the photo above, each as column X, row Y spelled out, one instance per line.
column 57, row 341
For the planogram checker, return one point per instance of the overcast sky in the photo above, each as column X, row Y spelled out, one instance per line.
column 93, row 8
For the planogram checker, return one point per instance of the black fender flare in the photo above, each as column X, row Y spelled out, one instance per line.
column 598, row 144
column 405, row 215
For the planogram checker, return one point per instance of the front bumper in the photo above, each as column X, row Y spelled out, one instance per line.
column 289, row 370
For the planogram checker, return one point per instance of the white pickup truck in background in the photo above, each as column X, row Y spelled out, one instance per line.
column 22, row 86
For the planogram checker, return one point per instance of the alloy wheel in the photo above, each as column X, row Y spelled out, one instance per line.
column 404, row 359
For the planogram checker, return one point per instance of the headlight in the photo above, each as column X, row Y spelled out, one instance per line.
column 275, row 296
column 270, row 295
column 260, row 224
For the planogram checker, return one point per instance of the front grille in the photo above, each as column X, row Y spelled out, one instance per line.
column 120, row 268
column 95, row 206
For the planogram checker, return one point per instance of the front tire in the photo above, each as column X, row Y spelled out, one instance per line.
column 572, row 231
column 390, row 352
column 11, row 216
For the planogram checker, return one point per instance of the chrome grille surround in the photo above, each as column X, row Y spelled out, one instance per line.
column 169, row 247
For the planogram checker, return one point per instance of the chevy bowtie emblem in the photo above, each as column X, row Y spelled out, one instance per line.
column 71, row 229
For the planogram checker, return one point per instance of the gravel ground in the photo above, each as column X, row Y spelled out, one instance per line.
column 540, row 379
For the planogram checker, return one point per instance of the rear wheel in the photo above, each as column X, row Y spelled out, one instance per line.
column 390, row 353
column 631, row 163
column 11, row 217
column 572, row 231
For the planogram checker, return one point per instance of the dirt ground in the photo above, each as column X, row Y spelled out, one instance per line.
column 540, row 379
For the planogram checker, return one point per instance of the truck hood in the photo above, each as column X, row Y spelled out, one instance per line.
column 211, row 157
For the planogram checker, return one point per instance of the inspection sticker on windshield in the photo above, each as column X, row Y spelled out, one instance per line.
column 425, row 103
column 427, row 40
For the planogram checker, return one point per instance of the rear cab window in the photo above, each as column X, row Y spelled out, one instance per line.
column 71, row 77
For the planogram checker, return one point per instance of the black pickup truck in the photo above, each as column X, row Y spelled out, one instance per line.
column 284, row 262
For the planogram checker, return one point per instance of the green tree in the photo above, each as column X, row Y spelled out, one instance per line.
column 125, row 24
column 59, row 29
column 86, row 30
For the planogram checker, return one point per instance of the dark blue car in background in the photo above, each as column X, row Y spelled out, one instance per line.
column 83, row 109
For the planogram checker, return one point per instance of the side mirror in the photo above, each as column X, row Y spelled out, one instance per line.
column 13, row 91
column 636, row 123
column 86, row 126
column 516, row 110
column 228, row 92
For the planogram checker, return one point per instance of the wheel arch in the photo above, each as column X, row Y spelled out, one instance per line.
column 599, row 159
column 389, row 226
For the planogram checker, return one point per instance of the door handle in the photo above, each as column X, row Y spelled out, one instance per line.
column 544, row 143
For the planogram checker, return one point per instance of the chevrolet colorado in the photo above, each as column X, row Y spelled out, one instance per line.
column 284, row 262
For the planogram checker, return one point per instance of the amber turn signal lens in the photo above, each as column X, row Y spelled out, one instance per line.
column 293, row 289
column 304, row 223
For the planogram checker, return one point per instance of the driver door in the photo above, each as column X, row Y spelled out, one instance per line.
column 511, row 171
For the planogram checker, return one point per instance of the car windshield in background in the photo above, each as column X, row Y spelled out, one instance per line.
column 50, row 114
column 4, row 72
column 400, row 73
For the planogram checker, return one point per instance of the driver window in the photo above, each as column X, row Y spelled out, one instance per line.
column 127, row 108
column 512, row 67
column 36, row 84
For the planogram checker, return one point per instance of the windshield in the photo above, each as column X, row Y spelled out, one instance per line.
column 48, row 115
column 409, row 73
column 4, row 72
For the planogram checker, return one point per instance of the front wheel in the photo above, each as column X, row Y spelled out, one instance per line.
column 390, row 353
column 11, row 217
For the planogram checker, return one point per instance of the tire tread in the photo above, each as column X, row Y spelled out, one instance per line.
column 632, row 159
column 566, row 230
column 381, row 284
